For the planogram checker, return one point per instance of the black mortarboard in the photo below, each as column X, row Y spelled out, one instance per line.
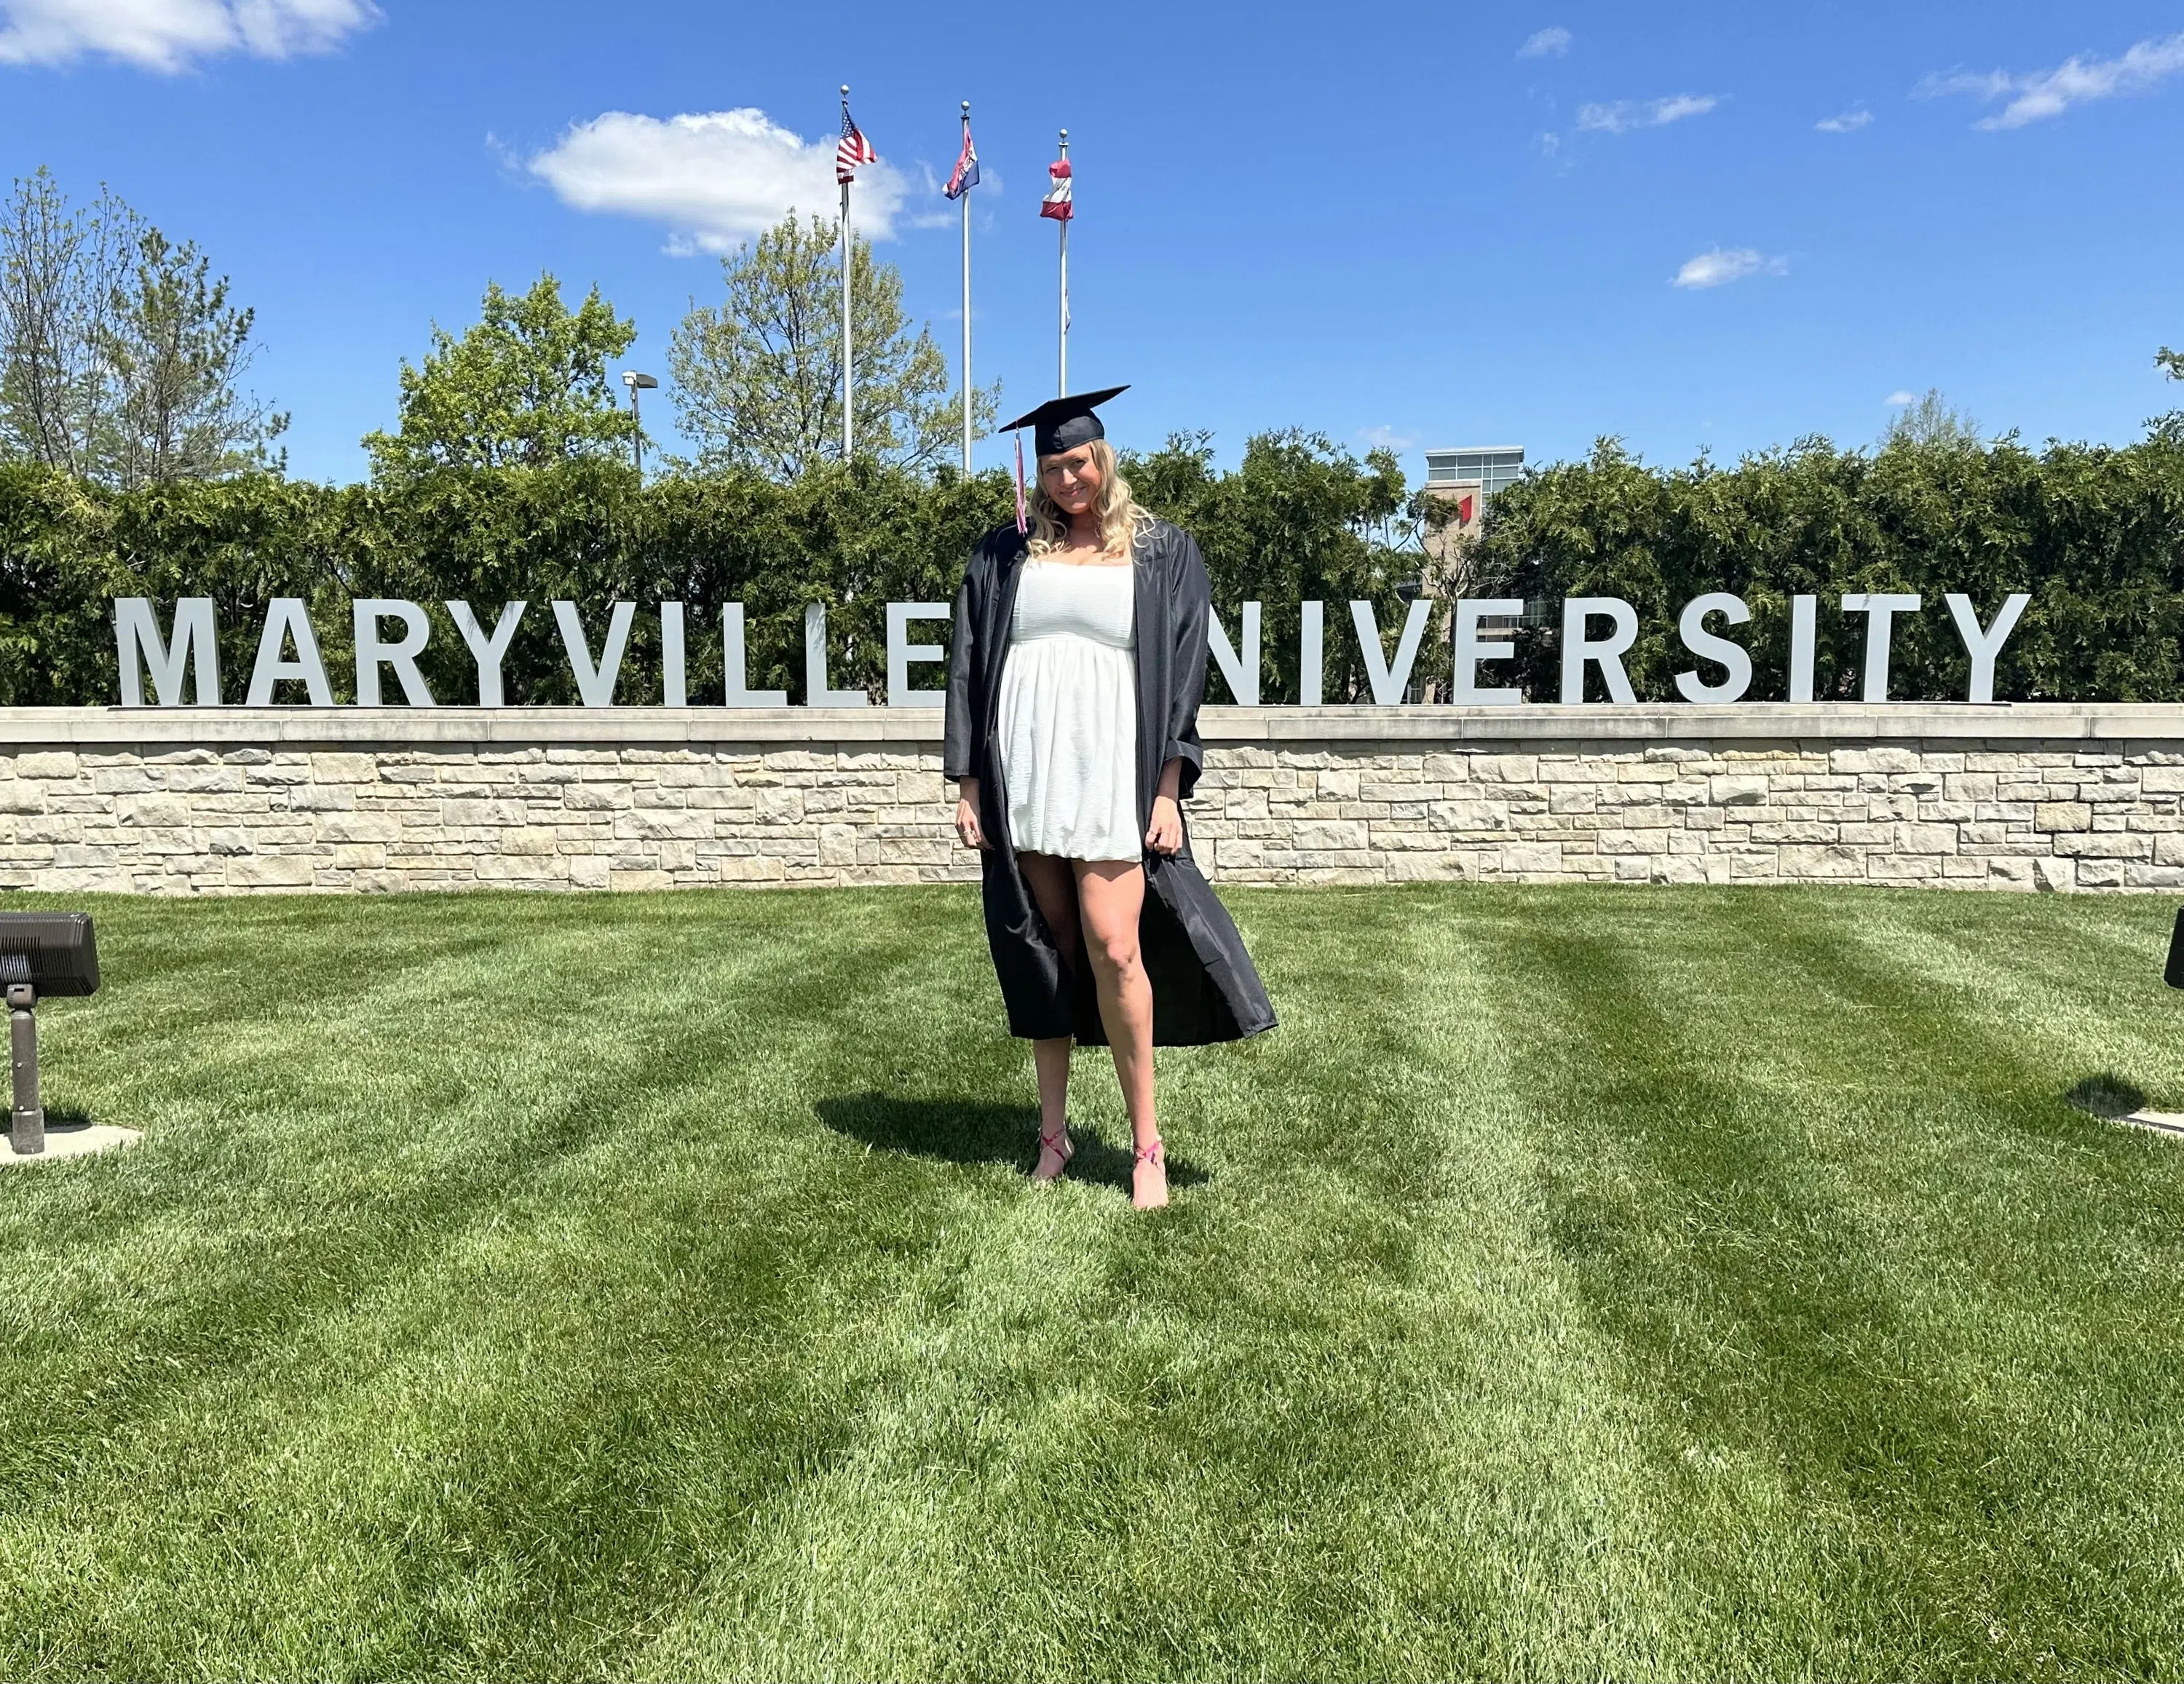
column 1064, row 423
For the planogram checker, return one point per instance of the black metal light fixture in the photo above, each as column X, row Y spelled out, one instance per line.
column 52, row 953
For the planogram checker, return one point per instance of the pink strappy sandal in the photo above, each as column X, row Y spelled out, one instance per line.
column 1061, row 1146
column 1153, row 1156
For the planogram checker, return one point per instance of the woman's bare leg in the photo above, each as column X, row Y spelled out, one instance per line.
column 1054, row 893
column 1111, row 896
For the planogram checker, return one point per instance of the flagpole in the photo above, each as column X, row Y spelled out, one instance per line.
column 848, row 353
column 1062, row 390
column 966, row 303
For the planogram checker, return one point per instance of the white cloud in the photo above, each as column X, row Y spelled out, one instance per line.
column 168, row 34
column 2049, row 94
column 1551, row 42
column 1901, row 400
column 1387, row 438
column 1845, row 123
column 1622, row 115
column 715, row 178
column 1718, row 267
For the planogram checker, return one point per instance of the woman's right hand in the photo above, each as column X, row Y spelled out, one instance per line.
column 966, row 815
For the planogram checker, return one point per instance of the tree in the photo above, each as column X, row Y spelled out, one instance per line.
column 758, row 378
column 1933, row 421
column 525, row 386
column 2171, row 361
column 119, row 354
column 175, row 347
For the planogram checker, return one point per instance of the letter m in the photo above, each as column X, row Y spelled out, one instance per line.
column 137, row 642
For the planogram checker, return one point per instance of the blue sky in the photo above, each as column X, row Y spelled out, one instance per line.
column 1423, row 225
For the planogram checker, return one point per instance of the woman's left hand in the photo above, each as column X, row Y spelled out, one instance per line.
column 1166, row 836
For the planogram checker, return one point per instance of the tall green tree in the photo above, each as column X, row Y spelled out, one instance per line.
column 527, row 386
column 758, row 377
column 121, row 357
column 2171, row 361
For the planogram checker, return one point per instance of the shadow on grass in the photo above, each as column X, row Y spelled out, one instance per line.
column 976, row 1131
column 2106, row 1096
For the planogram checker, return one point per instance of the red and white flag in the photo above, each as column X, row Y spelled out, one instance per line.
column 1056, row 203
column 851, row 150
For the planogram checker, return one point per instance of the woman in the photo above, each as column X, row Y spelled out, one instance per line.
column 1074, row 683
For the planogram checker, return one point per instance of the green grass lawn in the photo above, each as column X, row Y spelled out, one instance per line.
column 1632, row 1282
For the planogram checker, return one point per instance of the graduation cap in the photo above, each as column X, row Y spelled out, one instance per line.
column 1058, row 424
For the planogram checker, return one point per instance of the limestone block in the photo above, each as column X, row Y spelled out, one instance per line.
column 147, row 813
column 603, row 797
column 642, row 824
column 46, row 763
column 313, row 798
column 471, row 815
column 1821, row 864
column 1926, row 839
column 1531, row 858
column 359, row 828
column 783, row 804
column 2094, row 846
column 1777, row 835
column 838, row 844
column 2100, row 873
column 1505, row 768
column 1877, row 760
column 344, row 768
column 2062, row 816
column 1323, row 835
column 1735, row 791
column 18, row 796
column 269, row 871
column 1904, row 871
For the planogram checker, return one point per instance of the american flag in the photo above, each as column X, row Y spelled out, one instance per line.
column 1056, row 203
column 851, row 150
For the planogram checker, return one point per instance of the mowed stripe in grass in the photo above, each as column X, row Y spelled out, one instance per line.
column 1634, row 1282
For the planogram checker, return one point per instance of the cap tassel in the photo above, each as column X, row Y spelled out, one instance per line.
column 1023, row 526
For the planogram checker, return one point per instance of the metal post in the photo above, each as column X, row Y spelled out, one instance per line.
column 967, row 304
column 848, row 384
column 636, row 430
column 1062, row 390
column 28, row 1133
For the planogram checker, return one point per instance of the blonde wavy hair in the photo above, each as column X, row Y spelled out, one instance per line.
column 1121, row 519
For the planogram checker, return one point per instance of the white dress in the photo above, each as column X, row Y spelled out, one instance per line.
column 1069, row 711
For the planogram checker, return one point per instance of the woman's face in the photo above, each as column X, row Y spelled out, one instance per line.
column 1071, row 479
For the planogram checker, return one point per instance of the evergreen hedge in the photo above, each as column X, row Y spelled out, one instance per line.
column 2095, row 534
column 1298, row 519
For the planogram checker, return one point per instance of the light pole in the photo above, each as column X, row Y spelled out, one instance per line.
column 636, row 383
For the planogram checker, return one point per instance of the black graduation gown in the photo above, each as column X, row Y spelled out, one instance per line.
column 1204, row 986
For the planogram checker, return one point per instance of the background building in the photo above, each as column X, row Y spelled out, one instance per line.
column 1468, row 476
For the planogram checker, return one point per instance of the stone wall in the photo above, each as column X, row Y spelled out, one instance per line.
column 233, row 799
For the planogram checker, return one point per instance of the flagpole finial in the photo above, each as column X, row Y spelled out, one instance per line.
column 967, row 109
